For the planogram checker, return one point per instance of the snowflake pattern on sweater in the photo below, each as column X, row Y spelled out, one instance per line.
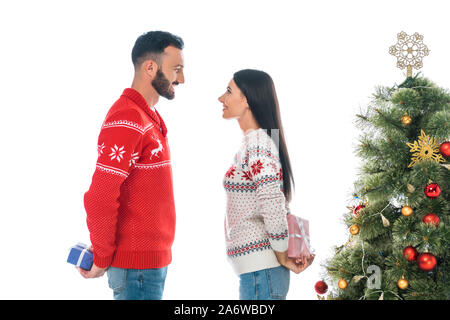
column 255, row 221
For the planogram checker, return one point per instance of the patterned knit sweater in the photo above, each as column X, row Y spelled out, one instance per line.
column 255, row 221
column 130, row 204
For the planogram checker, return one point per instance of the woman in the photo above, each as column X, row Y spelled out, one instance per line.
column 258, row 188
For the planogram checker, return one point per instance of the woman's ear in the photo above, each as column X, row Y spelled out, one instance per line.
column 244, row 101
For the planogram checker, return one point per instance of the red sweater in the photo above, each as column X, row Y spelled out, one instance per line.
column 130, row 205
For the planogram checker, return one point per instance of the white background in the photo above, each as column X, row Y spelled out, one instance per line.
column 63, row 64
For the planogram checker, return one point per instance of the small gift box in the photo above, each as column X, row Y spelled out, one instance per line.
column 80, row 256
column 299, row 246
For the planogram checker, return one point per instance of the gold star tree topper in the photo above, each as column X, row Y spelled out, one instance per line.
column 426, row 148
column 409, row 51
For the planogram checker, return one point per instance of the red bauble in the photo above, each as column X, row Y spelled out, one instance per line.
column 321, row 287
column 432, row 190
column 431, row 218
column 359, row 207
column 426, row 261
column 444, row 149
column 410, row 253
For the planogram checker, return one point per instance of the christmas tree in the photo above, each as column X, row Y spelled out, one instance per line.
column 398, row 245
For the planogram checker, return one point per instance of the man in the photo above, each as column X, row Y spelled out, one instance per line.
column 129, row 205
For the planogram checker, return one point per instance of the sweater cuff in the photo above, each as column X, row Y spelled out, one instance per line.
column 102, row 262
column 280, row 245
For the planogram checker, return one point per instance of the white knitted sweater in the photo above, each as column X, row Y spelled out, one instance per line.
column 255, row 221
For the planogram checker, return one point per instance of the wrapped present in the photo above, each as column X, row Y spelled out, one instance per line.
column 81, row 257
column 299, row 246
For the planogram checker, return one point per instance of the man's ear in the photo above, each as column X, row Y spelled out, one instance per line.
column 150, row 68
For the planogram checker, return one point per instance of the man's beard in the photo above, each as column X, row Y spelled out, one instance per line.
column 162, row 85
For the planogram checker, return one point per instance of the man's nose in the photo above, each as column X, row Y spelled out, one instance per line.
column 180, row 78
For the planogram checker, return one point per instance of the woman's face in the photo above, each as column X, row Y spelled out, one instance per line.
column 233, row 101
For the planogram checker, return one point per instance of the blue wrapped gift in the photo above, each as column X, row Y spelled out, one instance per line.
column 80, row 256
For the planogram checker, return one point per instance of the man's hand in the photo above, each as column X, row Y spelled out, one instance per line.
column 95, row 271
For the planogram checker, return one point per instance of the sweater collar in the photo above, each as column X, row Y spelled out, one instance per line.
column 140, row 101
column 252, row 131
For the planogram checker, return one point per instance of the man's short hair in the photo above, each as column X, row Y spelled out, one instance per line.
column 151, row 45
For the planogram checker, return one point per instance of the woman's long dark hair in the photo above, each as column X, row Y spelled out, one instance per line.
column 257, row 86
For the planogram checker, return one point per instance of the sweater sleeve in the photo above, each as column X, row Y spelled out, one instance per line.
column 119, row 146
column 265, row 169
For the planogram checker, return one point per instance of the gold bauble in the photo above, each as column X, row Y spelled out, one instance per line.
column 406, row 120
column 354, row 229
column 342, row 284
column 402, row 283
column 407, row 211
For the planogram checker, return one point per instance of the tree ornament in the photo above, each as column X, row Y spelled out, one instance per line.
column 385, row 221
column 406, row 120
column 402, row 283
column 426, row 261
column 426, row 148
column 432, row 190
column 407, row 211
column 409, row 51
column 354, row 229
column 444, row 149
column 357, row 209
column 431, row 218
column 410, row 253
column 342, row 284
column 411, row 188
column 321, row 287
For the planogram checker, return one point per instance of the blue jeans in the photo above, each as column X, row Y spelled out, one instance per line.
column 267, row 284
column 136, row 284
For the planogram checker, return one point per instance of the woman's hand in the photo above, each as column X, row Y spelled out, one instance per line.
column 302, row 265
column 295, row 265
